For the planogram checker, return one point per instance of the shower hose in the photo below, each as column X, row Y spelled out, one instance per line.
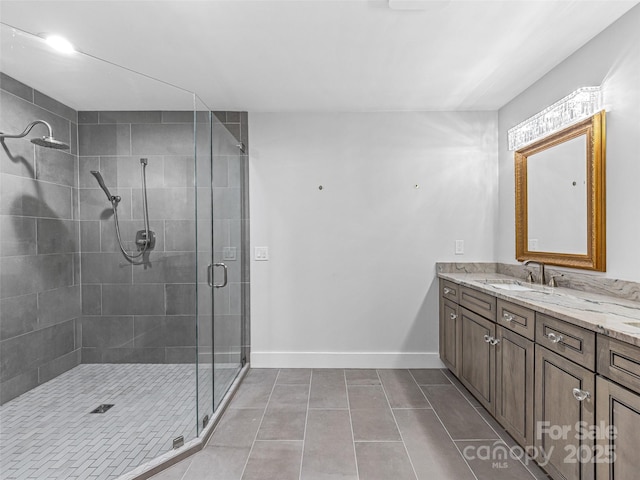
column 146, row 242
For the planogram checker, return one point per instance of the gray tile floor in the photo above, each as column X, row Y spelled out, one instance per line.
column 48, row 432
column 355, row 424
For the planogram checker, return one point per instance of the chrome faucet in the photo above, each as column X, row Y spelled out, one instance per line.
column 541, row 277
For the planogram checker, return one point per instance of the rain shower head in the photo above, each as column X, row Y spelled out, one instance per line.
column 50, row 142
column 47, row 141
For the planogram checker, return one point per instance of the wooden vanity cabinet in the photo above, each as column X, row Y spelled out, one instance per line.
column 477, row 367
column 478, row 302
column 493, row 362
column 514, row 383
column 449, row 291
column 449, row 333
column 617, row 410
column 537, row 376
column 516, row 318
column 560, row 384
column 570, row 341
column 618, row 420
column 450, row 349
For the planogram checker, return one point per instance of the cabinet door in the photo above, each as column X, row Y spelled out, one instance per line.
column 477, row 370
column 558, row 412
column 450, row 336
column 514, row 385
column 618, row 408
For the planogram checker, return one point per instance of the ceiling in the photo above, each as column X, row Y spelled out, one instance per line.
column 302, row 55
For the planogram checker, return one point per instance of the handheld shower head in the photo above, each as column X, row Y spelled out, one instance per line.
column 111, row 198
column 47, row 141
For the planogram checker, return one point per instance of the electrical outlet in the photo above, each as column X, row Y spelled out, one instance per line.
column 533, row 244
column 459, row 247
column 261, row 254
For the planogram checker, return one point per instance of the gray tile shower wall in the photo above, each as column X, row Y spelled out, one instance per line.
column 147, row 313
column 63, row 280
column 40, row 293
column 138, row 313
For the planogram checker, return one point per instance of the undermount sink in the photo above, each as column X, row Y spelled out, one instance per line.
column 508, row 284
column 511, row 286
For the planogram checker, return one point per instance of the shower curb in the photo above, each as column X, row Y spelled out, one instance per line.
column 169, row 459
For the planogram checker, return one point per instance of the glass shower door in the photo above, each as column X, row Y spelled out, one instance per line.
column 227, row 180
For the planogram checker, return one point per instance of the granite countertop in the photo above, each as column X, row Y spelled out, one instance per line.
column 599, row 313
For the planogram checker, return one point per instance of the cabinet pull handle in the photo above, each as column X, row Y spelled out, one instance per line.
column 507, row 317
column 553, row 338
column 487, row 338
column 447, row 291
column 494, row 341
column 580, row 395
column 453, row 316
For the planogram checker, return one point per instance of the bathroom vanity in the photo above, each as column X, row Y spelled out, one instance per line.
column 558, row 368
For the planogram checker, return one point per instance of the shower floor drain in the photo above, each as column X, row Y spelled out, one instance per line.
column 102, row 408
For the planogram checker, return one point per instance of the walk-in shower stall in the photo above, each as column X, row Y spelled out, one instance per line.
column 123, row 263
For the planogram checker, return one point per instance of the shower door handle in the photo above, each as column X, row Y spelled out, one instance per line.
column 225, row 278
column 210, row 275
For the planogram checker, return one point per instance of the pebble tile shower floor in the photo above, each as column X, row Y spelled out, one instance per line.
column 48, row 432
column 300, row 424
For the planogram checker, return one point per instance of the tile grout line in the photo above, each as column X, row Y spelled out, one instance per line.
column 353, row 439
column 463, row 394
column 445, row 428
column 184, row 475
column 306, row 421
column 482, row 440
column 85, row 400
column 396, row 423
column 329, row 408
column 255, row 438
column 505, row 443
column 476, row 408
column 379, row 441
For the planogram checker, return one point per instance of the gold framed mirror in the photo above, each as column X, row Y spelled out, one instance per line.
column 560, row 197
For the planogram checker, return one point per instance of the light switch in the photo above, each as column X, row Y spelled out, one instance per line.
column 229, row 253
column 261, row 254
column 459, row 247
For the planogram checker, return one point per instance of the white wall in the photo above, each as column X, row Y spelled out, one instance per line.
column 351, row 276
column 612, row 59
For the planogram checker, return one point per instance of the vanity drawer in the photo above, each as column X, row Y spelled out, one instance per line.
column 450, row 291
column 516, row 318
column 575, row 343
column 478, row 302
column 619, row 361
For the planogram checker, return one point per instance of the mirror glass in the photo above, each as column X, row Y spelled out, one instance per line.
column 560, row 203
column 557, row 198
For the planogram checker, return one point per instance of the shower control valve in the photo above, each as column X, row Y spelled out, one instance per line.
column 143, row 242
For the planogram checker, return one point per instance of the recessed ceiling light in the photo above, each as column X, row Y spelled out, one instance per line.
column 59, row 43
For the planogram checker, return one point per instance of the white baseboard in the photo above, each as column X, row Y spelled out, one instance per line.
column 345, row 360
